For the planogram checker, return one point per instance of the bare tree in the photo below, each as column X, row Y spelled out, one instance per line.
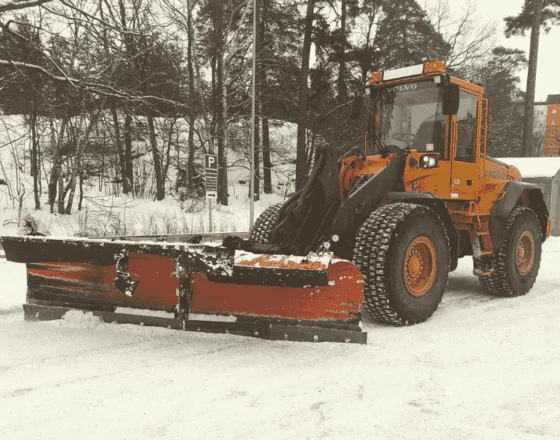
column 469, row 38
column 84, row 129
column 301, row 168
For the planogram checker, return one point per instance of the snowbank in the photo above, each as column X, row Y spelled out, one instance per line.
column 535, row 166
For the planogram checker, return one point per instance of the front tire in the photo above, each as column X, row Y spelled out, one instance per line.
column 402, row 250
column 262, row 229
column 518, row 259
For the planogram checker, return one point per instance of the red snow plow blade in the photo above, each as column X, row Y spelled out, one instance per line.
column 313, row 298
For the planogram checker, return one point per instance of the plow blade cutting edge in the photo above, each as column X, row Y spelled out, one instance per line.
column 312, row 298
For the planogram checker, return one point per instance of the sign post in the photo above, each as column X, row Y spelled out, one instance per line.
column 253, row 128
column 211, row 180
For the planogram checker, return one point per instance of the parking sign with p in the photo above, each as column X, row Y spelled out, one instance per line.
column 211, row 161
column 211, row 174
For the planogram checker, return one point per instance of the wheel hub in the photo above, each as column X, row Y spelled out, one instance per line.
column 525, row 253
column 420, row 263
column 414, row 265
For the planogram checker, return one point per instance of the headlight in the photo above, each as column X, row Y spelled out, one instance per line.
column 428, row 162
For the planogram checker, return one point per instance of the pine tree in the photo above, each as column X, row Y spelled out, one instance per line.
column 534, row 15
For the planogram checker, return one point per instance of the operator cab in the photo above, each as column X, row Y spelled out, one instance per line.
column 422, row 108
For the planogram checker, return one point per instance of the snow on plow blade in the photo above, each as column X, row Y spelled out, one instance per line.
column 313, row 298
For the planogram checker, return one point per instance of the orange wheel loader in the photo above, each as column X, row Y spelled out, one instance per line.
column 377, row 227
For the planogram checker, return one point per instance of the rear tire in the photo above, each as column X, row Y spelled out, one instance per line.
column 402, row 250
column 261, row 232
column 517, row 260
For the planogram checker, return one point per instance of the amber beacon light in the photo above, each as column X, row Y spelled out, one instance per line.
column 429, row 68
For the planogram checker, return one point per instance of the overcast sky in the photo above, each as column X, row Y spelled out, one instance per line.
column 548, row 76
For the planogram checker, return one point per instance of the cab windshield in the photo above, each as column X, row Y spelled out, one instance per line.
column 410, row 117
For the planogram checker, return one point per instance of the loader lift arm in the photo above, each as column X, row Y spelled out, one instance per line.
column 305, row 220
column 315, row 213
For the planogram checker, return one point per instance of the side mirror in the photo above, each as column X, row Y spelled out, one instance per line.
column 450, row 99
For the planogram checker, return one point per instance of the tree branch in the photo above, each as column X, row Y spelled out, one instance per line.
column 14, row 5
column 101, row 89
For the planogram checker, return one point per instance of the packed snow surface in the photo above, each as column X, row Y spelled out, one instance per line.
column 480, row 368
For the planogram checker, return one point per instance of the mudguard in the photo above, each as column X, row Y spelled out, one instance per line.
column 435, row 203
column 502, row 208
column 537, row 204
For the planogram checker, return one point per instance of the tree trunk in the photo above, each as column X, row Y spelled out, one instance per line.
column 190, row 70
column 222, row 134
column 532, row 79
column 77, row 168
column 35, row 160
column 342, row 89
column 158, row 171
column 118, row 141
column 55, row 170
column 61, row 191
column 215, row 102
column 137, row 73
column 56, row 184
column 190, row 161
column 81, row 199
column 168, row 151
column 365, row 63
column 71, row 189
column 120, row 149
column 129, row 170
column 301, row 170
column 267, row 165
column 221, row 93
column 257, row 160
column 258, row 98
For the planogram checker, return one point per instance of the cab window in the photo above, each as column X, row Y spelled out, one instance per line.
column 466, row 126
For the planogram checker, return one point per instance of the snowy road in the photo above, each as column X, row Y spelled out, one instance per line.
column 481, row 368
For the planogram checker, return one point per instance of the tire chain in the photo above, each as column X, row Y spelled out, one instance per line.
column 371, row 251
column 264, row 224
column 497, row 284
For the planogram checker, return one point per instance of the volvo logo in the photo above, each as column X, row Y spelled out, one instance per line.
column 404, row 87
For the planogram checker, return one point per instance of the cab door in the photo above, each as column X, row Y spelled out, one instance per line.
column 465, row 159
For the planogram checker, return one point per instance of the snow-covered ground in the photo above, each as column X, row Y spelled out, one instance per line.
column 481, row 368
